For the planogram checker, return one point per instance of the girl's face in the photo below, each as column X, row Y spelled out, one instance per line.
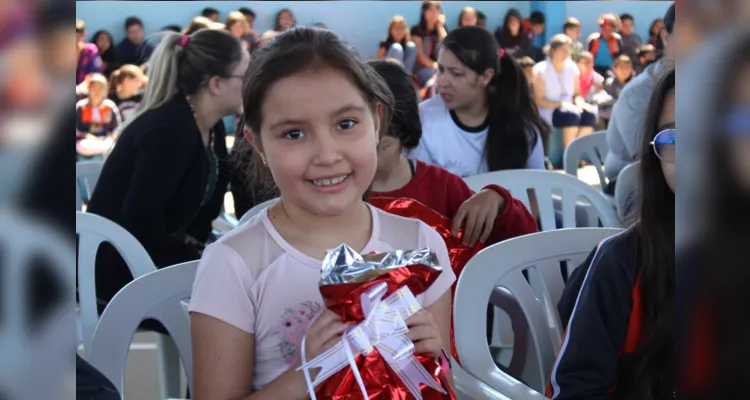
column 103, row 43
column 514, row 25
column 389, row 152
column 562, row 52
column 319, row 137
column 97, row 92
column 584, row 65
column 398, row 31
column 469, row 19
column 667, row 121
column 431, row 14
column 239, row 29
column 656, row 28
column 286, row 20
column 131, row 86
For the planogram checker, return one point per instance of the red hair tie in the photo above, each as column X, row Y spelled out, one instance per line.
column 500, row 53
column 184, row 40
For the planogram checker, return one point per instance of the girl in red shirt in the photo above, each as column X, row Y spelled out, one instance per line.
column 489, row 216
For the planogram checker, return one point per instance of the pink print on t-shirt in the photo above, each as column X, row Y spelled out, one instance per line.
column 292, row 328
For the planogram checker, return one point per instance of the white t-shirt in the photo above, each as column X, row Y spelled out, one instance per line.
column 558, row 86
column 457, row 148
column 254, row 280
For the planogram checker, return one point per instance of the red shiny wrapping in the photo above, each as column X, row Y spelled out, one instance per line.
column 457, row 252
column 380, row 381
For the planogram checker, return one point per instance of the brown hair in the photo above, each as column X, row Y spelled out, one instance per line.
column 571, row 22
column 585, row 54
column 236, row 17
column 295, row 50
column 126, row 71
column 407, row 36
column 622, row 59
column 467, row 10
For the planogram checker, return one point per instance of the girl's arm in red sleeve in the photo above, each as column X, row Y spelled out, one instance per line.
column 513, row 220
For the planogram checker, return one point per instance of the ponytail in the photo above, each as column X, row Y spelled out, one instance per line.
column 514, row 121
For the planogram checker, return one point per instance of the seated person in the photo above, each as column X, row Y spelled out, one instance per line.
column 97, row 117
column 613, row 85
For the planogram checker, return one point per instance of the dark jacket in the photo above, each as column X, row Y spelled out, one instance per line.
column 136, row 54
column 601, row 303
column 155, row 184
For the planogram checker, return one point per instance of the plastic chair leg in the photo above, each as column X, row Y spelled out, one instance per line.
column 169, row 368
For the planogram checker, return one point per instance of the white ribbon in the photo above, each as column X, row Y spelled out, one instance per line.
column 384, row 328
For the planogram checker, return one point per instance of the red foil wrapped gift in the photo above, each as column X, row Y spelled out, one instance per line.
column 346, row 282
column 458, row 253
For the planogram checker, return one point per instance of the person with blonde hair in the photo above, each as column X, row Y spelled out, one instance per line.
column 398, row 44
column 126, row 85
column 468, row 17
column 201, row 22
column 165, row 179
column 237, row 25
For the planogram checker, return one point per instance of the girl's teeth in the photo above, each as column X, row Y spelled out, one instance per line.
column 329, row 182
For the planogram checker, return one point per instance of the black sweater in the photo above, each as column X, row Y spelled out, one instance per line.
column 153, row 185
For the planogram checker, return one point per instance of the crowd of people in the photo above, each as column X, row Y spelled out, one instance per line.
column 328, row 132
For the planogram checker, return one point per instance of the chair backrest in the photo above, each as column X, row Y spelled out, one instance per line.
column 257, row 209
column 626, row 189
column 92, row 231
column 503, row 264
column 35, row 366
column 87, row 174
column 157, row 295
column 518, row 182
column 594, row 148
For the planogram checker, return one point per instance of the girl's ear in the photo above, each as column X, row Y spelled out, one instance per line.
column 253, row 140
column 487, row 76
column 378, row 122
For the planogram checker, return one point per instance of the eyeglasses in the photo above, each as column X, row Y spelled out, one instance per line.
column 737, row 123
column 664, row 145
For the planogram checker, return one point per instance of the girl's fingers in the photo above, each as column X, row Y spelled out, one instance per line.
column 423, row 332
column 489, row 223
column 473, row 229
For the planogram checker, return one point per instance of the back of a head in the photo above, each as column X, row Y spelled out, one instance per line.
column 537, row 17
column 183, row 64
column 405, row 123
column 512, row 114
column 301, row 48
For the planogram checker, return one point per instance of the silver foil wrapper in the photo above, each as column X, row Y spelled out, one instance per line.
column 344, row 265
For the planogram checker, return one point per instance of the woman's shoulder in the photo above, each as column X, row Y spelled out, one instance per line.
column 433, row 105
column 249, row 244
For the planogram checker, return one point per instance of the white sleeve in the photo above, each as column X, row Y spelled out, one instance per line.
column 222, row 288
column 429, row 238
column 536, row 156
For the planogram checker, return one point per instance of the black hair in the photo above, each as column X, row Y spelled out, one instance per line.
column 537, row 17
column 626, row 16
column 172, row 28
column 669, row 19
column 405, row 123
column 295, row 50
column 130, row 21
column 513, row 116
column 506, row 39
column 481, row 15
column 426, row 6
column 209, row 11
column 277, row 19
column 247, row 11
column 655, row 373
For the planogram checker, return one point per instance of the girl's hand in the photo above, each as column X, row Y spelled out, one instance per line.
column 441, row 20
column 424, row 333
column 479, row 211
column 323, row 334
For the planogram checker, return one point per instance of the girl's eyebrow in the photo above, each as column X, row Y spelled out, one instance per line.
column 339, row 111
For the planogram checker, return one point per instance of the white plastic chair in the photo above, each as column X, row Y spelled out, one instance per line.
column 626, row 189
column 594, row 147
column 543, row 183
column 502, row 264
column 257, row 209
column 92, row 231
column 35, row 366
column 87, row 174
column 158, row 296
column 470, row 388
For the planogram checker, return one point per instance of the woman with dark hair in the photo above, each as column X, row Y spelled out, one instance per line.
column 511, row 37
column 284, row 20
column 619, row 305
column 104, row 42
column 427, row 36
column 166, row 177
column 484, row 119
column 654, row 30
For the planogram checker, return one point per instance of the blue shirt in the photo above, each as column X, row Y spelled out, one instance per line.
column 538, row 41
column 603, row 56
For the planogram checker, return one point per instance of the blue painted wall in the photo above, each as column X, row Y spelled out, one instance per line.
column 362, row 23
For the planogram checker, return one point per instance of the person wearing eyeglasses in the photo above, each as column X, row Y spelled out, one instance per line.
column 618, row 306
column 165, row 179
